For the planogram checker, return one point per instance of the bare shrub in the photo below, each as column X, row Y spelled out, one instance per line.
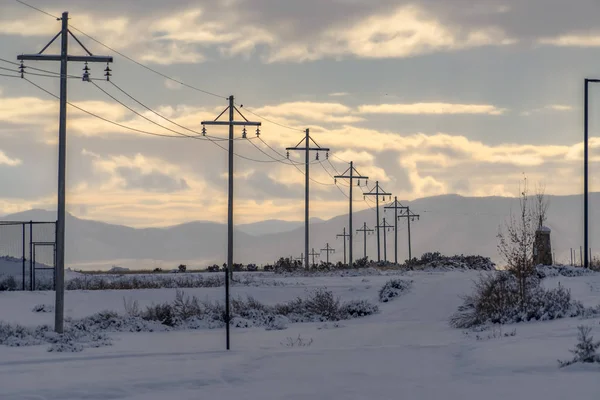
column 298, row 342
column 132, row 307
column 321, row 302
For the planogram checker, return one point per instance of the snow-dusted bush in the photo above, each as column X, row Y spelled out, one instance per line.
column 357, row 309
column 73, row 339
column 497, row 300
column 8, row 284
column 586, row 350
column 44, row 308
column 393, row 288
column 547, row 271
column 153, row 281
column 436, row 260
column 277, row 323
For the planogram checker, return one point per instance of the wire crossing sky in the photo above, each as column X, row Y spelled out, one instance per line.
column 426, row 98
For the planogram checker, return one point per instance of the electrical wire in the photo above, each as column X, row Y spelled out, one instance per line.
column 37, row 9
column 10, row 76
column 162, row 116
column 102, row 118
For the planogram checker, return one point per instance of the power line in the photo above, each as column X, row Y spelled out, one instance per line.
column 10, row 76
column 37, row 9
column 102, row 118
column 273, row 122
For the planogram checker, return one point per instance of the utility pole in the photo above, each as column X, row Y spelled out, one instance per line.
column 328, row 250
column 307, row 149
column 395, row 206
column 313, row 254
column 344, row 235
column 64, row 59
column 231, row 123
column 377, row 191
column 365, row 231
column 409, row 217
column 350, row 174
column 385, row 226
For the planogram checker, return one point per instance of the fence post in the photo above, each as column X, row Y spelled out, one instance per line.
column 23, row 256
column 31, row 276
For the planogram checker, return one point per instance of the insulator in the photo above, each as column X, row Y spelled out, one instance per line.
column 203, row 130
column 86, row 73
column 335, row 180
column 317, row 158
column 244, row 136
column 288, row 155
column 358, row 183
column 107, row 72
column 366, row 182
column 22, row 69
column 327, row 155
column 365, row 198
column 257, row 131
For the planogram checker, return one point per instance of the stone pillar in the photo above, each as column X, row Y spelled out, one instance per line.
column 542, row 248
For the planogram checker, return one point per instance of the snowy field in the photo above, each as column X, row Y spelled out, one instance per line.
column 407, row 351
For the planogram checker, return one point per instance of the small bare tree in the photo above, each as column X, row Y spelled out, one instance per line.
column 516, row 242
column 541, row 205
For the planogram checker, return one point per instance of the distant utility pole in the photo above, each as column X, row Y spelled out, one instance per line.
column 377, row 191
column 328, row 250
column 307, row 149
column 351, row 173
column 395, row 206
column 409, row 217
column 313, row 254
column 64, row 59
column 385, row 226
column 365, row 231
column 345, row 235
column 231, row 123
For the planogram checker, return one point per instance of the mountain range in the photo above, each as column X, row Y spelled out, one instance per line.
column 450, row 224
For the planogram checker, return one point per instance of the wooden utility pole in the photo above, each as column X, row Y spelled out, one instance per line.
column 64, row 59
column 351, row 173
column 313, row 254
column 385, row 226
column 306, row 149
column 409, row 217
column 230, row 123
column 365, row 231
column 344, row 235
column 328, row 250
column 395, row 206
column 377, row 191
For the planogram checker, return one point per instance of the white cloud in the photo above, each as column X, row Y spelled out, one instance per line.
column 338, row 94
column 407, row 32
column 311, row 111
column 6, row 160
column 431, row 108
column 548, row 108
column 572, row 40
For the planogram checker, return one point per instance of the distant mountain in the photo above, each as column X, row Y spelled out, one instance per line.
column 450, row 224
column 273, row 226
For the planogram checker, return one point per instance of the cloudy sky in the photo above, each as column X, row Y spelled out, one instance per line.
column 427, row 96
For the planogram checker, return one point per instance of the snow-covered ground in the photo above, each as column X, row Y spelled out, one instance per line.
column 407, row 351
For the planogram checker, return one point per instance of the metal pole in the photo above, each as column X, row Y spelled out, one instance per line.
column 350, row 221
column 62, row 167
column 365, row 237
column 395, row 229
column 31, row 255
column 229, row 271
column 377, row 211
column 344, row 239
column 585, row 173
column 581, row 255
column 23, row 226
column 384, row 242
column 571, row 256
column 306, row 196
column 408, row 220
